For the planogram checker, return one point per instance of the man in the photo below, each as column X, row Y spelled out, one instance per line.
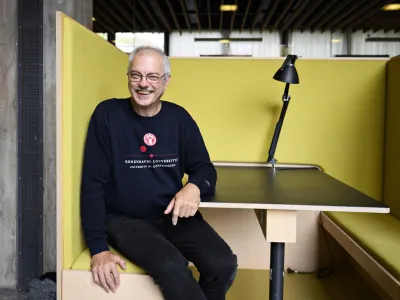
column 137, row 151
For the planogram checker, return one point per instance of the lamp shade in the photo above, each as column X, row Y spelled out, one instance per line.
column 288, row 73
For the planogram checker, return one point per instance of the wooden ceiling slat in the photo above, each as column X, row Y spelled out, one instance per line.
column 110, row 10
column 171, row 9
column 307, row 13
column 245, row 15
column 149, row 14
column 156, row 7
column 298, row 10
column 283, row 12
column 209, row 15
column 233, row 17
column 259, row 8
column 352, row 6
column 318, row 15
column 108, row 22
column 358, row 24
column 267, row 18
column 184, row 9
column 196, row 7
column 281, row 15
column 340, row 5
column 367, row 7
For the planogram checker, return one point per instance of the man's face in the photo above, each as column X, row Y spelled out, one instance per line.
column 146, row 91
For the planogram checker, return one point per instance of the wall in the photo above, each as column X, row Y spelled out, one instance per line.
column 335, row 118
column 391, row 187
column 8, row 143
column 80, row 10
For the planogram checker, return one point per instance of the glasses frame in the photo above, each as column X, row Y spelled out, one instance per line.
column 146, row 76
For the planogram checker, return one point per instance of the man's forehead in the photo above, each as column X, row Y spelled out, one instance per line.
column 148, row 58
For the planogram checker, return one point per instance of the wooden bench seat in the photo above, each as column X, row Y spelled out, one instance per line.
column 373, row 240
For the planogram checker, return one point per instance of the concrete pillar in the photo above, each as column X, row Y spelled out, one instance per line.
column 8, row 143
column 81, row 11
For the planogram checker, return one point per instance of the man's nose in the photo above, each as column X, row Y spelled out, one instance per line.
column 143, row 81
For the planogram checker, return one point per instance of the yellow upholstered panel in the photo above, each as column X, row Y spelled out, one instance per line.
column 335, row 118
column 378, row 234
column 391, row 186
column 92, row 70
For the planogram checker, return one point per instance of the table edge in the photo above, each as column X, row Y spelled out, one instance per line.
column 364, row 209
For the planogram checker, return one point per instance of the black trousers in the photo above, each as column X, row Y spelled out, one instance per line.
column 163, row 251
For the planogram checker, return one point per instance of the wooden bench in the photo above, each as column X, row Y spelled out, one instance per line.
column 373, row 241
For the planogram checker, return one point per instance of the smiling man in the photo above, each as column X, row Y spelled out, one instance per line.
column 132, row 198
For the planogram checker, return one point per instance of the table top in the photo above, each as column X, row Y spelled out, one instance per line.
column 262, row 187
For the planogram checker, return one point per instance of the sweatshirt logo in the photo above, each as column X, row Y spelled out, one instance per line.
column 150, row 139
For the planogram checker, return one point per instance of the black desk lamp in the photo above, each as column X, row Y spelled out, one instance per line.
column 287, row 73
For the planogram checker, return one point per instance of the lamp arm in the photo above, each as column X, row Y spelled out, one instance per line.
column 278, row 127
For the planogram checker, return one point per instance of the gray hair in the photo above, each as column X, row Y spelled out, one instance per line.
column 167, row 67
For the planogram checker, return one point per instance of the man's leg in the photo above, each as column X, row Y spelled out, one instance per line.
column 144, row 245
column 211, row 255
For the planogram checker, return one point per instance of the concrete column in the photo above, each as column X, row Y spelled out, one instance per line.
column 8, row 143
column 81, row 11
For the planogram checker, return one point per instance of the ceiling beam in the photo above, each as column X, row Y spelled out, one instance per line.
column 340, row 5
column 196, row 7
column 209, row 15
column 353, row 6
column 356, row 14
column 109, row 9
column 233, row 17
column 307, row 13
column 103, row 23
column 298, row 9
column 149, row 14
column 131, row 16
column 283, row 12
column 171, row 9
column 257, row 14
column 111, row 23
column 358, row 24
column 184, row 9
column 245, row 15
column 157, row 8
column 318, row 15
column 268, row 16
column 221, row 17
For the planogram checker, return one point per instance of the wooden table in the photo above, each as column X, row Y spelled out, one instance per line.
column 281, row 191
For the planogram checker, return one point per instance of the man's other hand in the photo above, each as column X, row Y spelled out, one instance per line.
column 104, row 270
column 185, row 203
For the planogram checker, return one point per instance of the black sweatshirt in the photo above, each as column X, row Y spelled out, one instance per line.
column 134, row 165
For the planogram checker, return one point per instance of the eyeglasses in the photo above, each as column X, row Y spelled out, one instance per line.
column 136, row 77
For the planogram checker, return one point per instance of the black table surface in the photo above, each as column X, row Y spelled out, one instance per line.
column 297, row 189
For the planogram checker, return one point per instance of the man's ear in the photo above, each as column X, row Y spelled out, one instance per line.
column 167, row 80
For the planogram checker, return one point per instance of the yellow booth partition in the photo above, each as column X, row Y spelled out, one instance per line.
column 336, row 119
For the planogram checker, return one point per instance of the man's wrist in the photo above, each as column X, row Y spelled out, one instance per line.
column 194, row 186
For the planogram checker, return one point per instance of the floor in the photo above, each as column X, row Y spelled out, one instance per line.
column 345, row 284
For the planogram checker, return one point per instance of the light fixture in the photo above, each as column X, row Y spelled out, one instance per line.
column 336, row 41
column 394, row 6
column 93, row 19
column 224, row 41
column 287, row 73
column 228, row 7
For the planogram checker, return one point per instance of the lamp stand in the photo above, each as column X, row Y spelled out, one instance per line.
column 278, row 127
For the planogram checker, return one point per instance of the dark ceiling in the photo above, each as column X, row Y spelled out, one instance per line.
column 256, row 15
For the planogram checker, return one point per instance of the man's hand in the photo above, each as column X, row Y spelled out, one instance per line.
column 104, row 270
column 185, row 203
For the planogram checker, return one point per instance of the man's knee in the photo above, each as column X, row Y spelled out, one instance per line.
column 224, row 268
column 174, row 266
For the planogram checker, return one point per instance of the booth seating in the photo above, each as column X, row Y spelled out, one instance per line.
column 373, row 241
